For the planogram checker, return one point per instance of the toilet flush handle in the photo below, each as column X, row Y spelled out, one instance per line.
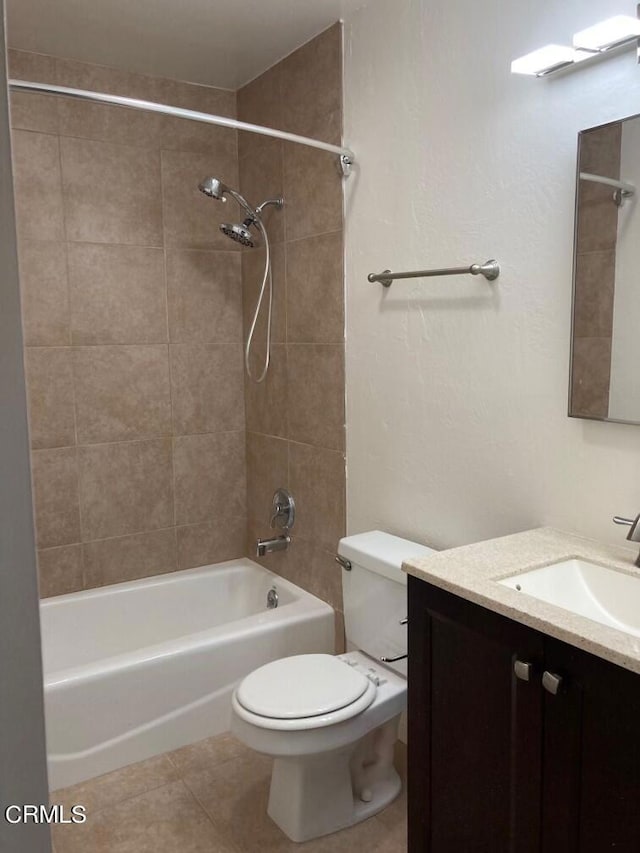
column 393, row 660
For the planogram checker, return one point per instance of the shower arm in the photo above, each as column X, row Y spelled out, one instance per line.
column 244, row 204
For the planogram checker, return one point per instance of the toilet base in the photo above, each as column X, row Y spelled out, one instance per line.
column 314, row 795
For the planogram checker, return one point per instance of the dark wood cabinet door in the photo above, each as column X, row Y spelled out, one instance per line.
column 475, row 735
column 591, row 779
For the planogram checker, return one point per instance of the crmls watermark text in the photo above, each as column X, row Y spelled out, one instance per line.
column 44, row 814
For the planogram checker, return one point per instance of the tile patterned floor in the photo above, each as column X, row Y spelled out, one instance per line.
column 210, row 797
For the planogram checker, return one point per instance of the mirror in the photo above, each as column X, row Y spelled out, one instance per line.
column 605, row 340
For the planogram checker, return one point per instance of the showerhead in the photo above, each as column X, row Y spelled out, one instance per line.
column 239, row 233
column 213, row 188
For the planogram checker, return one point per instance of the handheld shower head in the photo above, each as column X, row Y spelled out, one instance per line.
column 214, row 188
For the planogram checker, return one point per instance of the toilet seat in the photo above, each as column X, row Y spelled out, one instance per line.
column 303, row 692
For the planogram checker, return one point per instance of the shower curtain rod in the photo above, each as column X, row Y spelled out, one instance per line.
column 346, row 156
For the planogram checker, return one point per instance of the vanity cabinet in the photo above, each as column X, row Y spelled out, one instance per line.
column 499, row 763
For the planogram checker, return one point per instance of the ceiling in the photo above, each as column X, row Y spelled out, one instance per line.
column 218, row 42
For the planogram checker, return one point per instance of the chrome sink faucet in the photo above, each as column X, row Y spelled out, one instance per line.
column 634, row 534
column 283, row 514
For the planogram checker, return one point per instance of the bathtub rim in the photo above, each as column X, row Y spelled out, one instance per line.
column 299, row 609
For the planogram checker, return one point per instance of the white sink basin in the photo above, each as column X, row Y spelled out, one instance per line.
column 599, row 593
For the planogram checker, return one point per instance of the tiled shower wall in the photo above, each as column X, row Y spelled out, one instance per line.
column 596, row 238
column 132, row 311
column 133, row 307
column 295, row 420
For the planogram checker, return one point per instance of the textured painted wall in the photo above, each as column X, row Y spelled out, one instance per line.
column 132, row 308
column 456, row 389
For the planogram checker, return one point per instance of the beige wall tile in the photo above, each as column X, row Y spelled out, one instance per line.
column 261, row 178
column 314, row 569
column 312, row 191
column 317, row 482
column 107, row 123
column 316, row 394
column 597, row 219
column 591, row 369
column 260, row 101
column 126, row 558
column 122, row 393
column 27, row 65
column 191, row 219
column 312, row 80
column 164, row 820
column 267, row 470
column 340, row 641
column 125, row 488
column 204, row 544
column 37, row 185
column 600, row 150
column 194, row 96
column 102, row 78
column 179, row 134
column 60, row 570
column 266, row 401
column 117, row 294
column 207, row 388
column 112, row 193
column 29, row 110
column 44, row 291
column 210, row 477
column 252, row 273
column 593, row 300
column 55, row 496
column 315, row 289
column 122, row 784
column 50, row 395
column 205, row 296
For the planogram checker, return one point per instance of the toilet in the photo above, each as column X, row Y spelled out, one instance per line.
column 331, row 722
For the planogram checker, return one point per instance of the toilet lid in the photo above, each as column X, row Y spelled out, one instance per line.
column 301, row 686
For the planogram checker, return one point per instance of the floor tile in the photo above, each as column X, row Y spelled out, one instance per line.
column 165, row 820
column 122, row 784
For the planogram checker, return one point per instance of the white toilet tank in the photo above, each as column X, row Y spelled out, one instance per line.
column 375, row 593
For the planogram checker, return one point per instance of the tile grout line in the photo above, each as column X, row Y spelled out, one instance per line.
column 210, row 818
column 63, row 201
column 169, row 363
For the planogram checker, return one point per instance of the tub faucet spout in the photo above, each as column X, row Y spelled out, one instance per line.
column 268, row 546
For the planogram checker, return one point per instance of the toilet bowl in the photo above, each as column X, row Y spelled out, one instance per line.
column 331, row 722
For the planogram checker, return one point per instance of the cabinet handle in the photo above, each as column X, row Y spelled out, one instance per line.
column 551, row 682
column 523, row 670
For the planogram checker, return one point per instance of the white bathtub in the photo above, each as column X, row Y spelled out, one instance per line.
column 135, row 669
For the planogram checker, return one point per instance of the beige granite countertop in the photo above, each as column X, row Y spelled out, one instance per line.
column 471, row 572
